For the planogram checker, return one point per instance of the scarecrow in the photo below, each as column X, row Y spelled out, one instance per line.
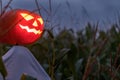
column 21, row 27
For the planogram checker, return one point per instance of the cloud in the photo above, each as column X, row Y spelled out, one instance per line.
column 91, row 10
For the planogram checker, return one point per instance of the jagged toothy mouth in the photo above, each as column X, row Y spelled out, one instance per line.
column 33, row 30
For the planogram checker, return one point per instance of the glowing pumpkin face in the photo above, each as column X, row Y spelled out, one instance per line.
column 21, row 27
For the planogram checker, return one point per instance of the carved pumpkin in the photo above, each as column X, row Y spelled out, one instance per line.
column 20, row 27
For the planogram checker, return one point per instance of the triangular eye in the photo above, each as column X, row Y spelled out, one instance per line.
column 40, row 20
column 26, row 16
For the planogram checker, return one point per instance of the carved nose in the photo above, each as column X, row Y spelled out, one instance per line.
column 35, row 23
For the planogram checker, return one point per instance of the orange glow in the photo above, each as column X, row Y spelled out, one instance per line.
column 26, row 16
column 30, row 30
column 26, row 25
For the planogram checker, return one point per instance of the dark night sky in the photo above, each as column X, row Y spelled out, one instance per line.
column 79, row 12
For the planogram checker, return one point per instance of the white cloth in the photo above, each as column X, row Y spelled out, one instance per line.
column 19, row 60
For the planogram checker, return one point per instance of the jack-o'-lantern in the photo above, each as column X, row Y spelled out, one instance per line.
column 20, row 27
